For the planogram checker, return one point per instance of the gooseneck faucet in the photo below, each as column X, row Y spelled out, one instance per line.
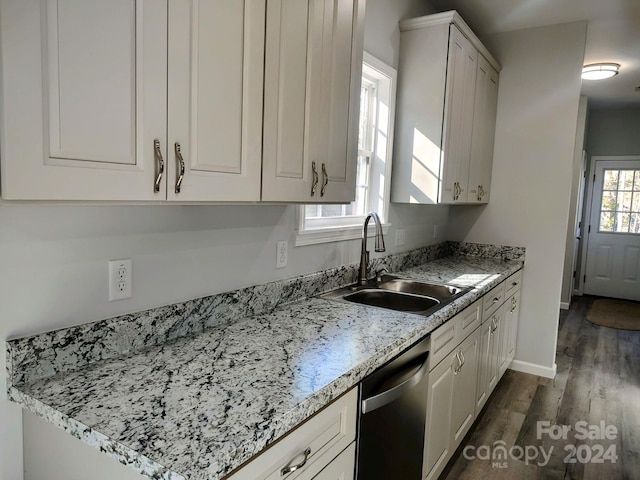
column 364, row 254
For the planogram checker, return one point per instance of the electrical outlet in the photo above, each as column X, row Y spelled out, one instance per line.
column 435, row 231
column 120, row 279
column 281, row 254
column 400, row 236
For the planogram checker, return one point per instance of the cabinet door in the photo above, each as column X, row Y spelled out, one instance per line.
column 459, row 104
column 313, row 64
column 342, row 467
column 340, row 104
column 503, row 339
column 216, row 59
column 512, row 315
column 292, row 92
column 484, row 127
column 482, row 387
column 84, row 99
column 496, row 322
column 464, row 388
column 437, row 440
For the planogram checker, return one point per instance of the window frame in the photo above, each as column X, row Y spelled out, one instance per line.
column 616, row 213
column 333, row 229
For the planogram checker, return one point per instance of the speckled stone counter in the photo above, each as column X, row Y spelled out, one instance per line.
column 199, row 406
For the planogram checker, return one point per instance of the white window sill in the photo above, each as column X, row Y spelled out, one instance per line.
column 335, row 234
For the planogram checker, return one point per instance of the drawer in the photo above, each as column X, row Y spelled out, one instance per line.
column 323, row 436
column 492, row 300
column 512, row 284
column 449, row 335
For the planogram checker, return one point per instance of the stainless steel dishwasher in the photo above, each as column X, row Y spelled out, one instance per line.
column 393, row 408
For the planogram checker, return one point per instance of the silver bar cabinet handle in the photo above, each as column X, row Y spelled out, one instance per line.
column 456, row 369
column 315, row 178
column 180, row 167
column 325, row 180
column 293, row 468
column 160, row 162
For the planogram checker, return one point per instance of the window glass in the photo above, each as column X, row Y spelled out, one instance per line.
column 620, row 208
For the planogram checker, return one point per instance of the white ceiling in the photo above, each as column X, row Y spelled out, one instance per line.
column 613, row 35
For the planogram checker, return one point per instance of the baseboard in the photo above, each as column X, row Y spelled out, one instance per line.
column 526, row 367
column 564, row 305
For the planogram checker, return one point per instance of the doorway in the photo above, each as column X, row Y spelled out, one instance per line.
column 613, row 234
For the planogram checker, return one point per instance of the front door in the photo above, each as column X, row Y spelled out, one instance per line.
column 613, row 252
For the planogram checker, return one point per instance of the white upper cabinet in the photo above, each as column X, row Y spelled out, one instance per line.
column 447, row 94
column 484, row 127
column 84, row 98
column 313, row 67
column 98, row 105
column 216, row 59
column 126, row 100
column 458, row 116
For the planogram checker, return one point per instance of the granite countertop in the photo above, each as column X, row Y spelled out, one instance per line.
column 200, row 406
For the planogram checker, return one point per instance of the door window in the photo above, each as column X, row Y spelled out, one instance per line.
column 620, row 208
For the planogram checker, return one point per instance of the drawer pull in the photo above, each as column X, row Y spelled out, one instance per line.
column 293, row 468
column 456, row 369
column 325, row 180
column 314, row 183
column 496, row 299
column 514, row 284
column 181, row 167
column 160, row 163
column 514, row 304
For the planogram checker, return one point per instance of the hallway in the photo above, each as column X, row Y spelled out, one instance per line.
column 598, row 383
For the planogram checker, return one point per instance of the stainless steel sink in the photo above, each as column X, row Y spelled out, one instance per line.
column 415, row 287
column 392, row 300
column 400, row 294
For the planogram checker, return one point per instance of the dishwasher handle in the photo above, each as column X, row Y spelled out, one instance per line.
column 381, row 399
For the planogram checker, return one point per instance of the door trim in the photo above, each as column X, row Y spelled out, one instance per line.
column 587, row 211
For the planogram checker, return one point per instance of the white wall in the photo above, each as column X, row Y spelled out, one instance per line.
column 53, row 258
column 614, row 131
column 577, row 179
column 532, row 167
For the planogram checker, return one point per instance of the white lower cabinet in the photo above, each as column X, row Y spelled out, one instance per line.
column 451, row 394
column 342, row 467
column 511, row 322
column 308, row 452
column 468, row 356
column 464, row 388
column 438, row 424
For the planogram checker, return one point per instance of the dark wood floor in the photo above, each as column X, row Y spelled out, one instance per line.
column 598, row 380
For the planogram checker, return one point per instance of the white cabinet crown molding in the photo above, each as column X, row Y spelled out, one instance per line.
column 450, row 17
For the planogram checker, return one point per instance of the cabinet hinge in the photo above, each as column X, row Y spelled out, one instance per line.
column 584, row 279
column 574, row 274
column 589, row 231
column 594, row 178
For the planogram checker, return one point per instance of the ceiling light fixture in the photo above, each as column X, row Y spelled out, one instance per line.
column 600, row 71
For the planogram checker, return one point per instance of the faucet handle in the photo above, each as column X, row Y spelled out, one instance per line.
column 379, row 274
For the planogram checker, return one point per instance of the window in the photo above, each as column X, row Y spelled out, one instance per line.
column 326, row 223
column 620, row 209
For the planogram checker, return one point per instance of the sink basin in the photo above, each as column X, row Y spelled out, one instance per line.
column 442, row 292
column 402, row 302
column 400, row 294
